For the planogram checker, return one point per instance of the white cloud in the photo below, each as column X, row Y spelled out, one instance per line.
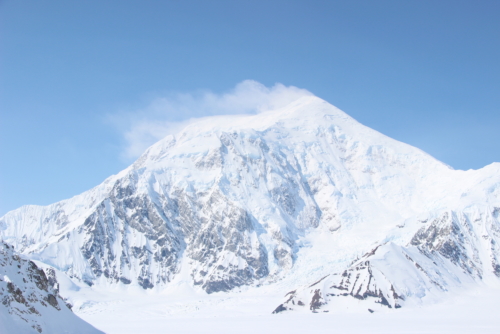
column 167, row 115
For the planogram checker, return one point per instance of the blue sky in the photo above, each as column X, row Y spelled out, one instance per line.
column 77, row 76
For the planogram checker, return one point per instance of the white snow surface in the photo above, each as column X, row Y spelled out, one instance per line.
column 471, row 311
column 30, row 303
column 259, row 205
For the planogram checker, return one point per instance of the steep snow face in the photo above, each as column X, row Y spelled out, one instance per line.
column 30, row 301
column 231, row 201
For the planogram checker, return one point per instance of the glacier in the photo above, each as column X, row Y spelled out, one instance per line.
column 302, row 197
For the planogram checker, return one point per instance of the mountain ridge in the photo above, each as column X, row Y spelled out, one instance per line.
column 241, row 199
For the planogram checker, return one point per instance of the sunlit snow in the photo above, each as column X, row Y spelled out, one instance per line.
column 213, row 225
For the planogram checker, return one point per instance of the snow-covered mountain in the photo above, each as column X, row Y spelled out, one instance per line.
column 297, row 193
column 30, row 300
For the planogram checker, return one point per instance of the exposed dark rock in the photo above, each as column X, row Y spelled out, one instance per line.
column 51, row 299
column 316, row 301
column 280, row 309
column 125, row 280
column 318, row 281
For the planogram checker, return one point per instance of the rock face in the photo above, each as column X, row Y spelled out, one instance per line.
column 243, row 200
column 450, row 251
column 30, row 301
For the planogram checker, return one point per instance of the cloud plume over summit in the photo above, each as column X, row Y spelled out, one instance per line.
column 165, row 115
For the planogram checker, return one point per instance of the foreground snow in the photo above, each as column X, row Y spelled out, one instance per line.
column 473, row 311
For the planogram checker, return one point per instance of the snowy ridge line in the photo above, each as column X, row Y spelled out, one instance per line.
column 251, row 200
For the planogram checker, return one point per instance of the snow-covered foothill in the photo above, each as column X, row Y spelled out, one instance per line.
column 30, row 300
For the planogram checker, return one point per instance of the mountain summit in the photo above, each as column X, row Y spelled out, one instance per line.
column 302, row 193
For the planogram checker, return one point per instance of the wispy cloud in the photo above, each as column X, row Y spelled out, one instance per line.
column 166, row 115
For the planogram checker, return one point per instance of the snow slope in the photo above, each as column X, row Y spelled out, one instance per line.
column 288, row 195
column 30, row 301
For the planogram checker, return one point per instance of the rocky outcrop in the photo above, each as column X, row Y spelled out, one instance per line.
column 30, row 300
column 445, row 253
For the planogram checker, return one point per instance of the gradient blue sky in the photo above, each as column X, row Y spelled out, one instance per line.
column 73, row 73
